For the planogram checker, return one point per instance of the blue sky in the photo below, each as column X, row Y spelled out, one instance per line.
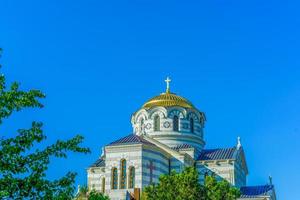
column 99, row 61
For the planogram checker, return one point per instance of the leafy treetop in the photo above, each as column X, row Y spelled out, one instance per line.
column 186, row 186
column 23, row 166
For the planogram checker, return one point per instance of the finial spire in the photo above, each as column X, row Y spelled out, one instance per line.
column 239, row 145
column 270, row 180
column 168, row 80
column 103, row 152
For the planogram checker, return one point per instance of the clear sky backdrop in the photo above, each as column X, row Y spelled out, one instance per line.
column 99, row 61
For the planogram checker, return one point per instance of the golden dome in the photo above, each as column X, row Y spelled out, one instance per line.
column 167, row 100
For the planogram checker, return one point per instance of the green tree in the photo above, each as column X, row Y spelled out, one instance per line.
column 94, row 195
column 84, row 194
column 23, row 167
column 186, row 186
column 176, row 186
column 220, row 190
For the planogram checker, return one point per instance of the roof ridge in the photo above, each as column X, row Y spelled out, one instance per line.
column 249, row 186
column 130, row 139
column 182, row 146
column 217, row 154
column 254, row 191
column 233, row 147
column 100, row 162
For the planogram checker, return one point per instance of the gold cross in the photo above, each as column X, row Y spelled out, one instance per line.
column 168, row 80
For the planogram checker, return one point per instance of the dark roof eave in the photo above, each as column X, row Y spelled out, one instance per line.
column 127, row 144
column 94, row 167
column 223, row 160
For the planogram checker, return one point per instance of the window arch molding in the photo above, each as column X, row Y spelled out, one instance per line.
column 161, row 111
column 180, row 112
column 140, row 114
column 194, row 116
column 143, row 114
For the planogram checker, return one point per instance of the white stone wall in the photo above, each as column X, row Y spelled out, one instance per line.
column 174, row 139
column 95, row 176
column 222, row 169
column 138, row 156
column 191, row 152
column 132, row 154
column 159, row 159
column 113, row 156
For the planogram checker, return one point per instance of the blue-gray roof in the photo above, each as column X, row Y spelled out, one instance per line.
column 130, row 139
column 255, row 191
column 99, row 163
column 217, row 154
column 182, row 146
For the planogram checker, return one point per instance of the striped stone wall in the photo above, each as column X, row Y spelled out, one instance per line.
column 160, row 162
column 95, row 176
column 222, row 169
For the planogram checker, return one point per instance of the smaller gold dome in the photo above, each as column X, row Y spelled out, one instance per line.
column 167, row 100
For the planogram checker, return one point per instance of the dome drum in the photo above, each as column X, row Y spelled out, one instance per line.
column 143, row 121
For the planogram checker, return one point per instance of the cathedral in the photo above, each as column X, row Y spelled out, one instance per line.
column 168, row 134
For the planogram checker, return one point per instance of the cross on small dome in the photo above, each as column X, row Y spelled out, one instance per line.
column 168, row 80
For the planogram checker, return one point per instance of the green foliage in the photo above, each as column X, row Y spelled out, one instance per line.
column 185, row 186
column 220, row 190
column 23, row 166
column 176, row 186
column 82, row 193
column 92, row 195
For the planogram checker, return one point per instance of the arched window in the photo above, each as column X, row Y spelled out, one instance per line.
column 123, row 174
column 131, row 177
column 103, row 185
column 192, row 125
column 114, row 178
column 156, row 123
column 175, row 123
column 141, row 124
